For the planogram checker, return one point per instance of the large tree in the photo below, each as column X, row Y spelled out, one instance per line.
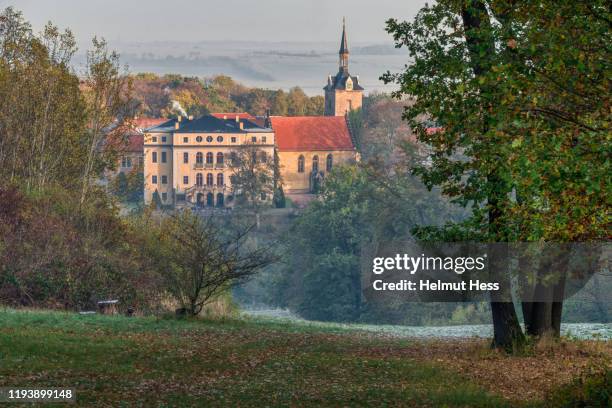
column 525, row 113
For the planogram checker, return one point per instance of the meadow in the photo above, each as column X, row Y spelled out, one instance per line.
column 166, row 362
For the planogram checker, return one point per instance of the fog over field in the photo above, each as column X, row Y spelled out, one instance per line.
column 265, row 43
column 274, row 65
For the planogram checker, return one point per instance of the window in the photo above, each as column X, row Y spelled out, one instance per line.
column 219, row 139
column 154, row 157
column 209, row 179
column 164, row 196
column 315, row 164
column 199, row 158
column 185, row 179
column 164, row 157
column 185, row 140
column 254, row 139
column 185, row 157
column 140, row 161
column 220, row 179
column 329, row 162
column 163, row 139
column 233, row 157
column 233, row 139
column 263, row 139
column 209, row 158
column 220, row 158
column 199, row 139
column 209, row 139
column 153, row 179
column 154, row 139
column 264, row 157
column 126, row 162
column 164, row 179
column 199, row 180
column 301, row 164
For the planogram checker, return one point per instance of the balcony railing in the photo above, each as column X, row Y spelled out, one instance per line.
column 204, row 166
column 206, row 189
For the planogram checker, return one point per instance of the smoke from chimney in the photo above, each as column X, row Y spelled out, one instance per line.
column 176, row 106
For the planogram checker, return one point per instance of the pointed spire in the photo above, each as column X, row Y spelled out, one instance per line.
column 344, row 51
column 343, row 42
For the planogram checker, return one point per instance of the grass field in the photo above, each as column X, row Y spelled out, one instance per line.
column 150, row 362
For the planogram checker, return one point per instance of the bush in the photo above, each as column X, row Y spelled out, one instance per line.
column 592, row 390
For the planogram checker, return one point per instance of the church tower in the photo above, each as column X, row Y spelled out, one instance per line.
column 343, row 93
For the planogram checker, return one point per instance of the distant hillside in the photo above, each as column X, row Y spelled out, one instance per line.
column 154, row 96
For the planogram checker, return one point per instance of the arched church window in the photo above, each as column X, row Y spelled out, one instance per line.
column 301, row 164
column 329, row 162
column 315, row 163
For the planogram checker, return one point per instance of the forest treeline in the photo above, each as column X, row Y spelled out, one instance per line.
column 154, row 95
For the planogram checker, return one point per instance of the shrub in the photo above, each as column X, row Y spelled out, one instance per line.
column 591, row 390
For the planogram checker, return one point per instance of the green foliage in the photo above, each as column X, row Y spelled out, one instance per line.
column 156, row 202
column 58, row 253
column 279, row 198
column 264, row 363
column 520, row 91
column 42, row 112
column 322, row 278
column 154, row 96
column 128, row 187
column 199, row 258
column 592, row 390
column 253, row 177
column 522, row 100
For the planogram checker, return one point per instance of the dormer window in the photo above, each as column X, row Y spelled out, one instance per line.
column 349, row 84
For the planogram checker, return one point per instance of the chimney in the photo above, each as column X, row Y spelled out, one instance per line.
column 224, row 117
column 190, row 117
column 241, row 125
column 177, row 125
column 237, row 118
column 268, row 121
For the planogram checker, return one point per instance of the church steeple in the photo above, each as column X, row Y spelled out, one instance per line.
column 344, row 51
column 343, row 92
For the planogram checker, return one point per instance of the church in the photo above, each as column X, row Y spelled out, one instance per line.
column 186, row 160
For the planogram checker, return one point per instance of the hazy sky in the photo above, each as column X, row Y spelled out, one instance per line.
column 192, row 20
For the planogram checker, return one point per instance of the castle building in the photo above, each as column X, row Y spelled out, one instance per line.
column 308, row 148
column 185, row 160
column 343, row 93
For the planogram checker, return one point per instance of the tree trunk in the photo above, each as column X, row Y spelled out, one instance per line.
column 507, row 333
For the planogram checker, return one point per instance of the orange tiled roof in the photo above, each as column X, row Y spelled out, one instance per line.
column 135, row 143
column 136, row 137
column 303, row 133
